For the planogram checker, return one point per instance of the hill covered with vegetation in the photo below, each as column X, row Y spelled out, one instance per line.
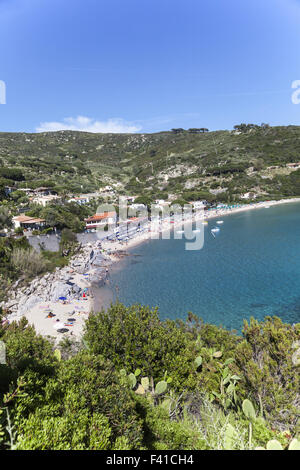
column 136, row 382
column 191, row 163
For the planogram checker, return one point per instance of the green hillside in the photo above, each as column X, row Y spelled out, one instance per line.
column 218, row 165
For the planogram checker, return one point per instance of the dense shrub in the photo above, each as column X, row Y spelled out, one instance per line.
column 28, row 262
column 86, row 400
column 135, row 337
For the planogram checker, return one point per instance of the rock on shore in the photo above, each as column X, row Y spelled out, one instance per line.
column 60, row 283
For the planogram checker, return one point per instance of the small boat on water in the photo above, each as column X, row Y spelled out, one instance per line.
column 214, row 231
column 220, row 222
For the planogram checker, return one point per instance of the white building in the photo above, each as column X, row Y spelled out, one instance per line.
column 80, row 200
column 249, row 195
column 26, row 222
column 100, row 220
column 45, row 200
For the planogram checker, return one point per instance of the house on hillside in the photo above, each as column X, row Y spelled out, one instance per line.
column 293, row 165
column 100, row 220
column 130, row 199
column 8, row 190
column 42, row 191
column 81, row 200
column 249, row 195
column 45, row 200
column 29, row 223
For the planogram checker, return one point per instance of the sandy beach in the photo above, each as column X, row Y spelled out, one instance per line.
column 70, row 315
column 58, row 303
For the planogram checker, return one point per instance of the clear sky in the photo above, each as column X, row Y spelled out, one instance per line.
column 148, row 65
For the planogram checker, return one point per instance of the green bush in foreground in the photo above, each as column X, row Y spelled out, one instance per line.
column 137, row 382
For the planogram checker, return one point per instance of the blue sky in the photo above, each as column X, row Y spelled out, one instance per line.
column 148, row 65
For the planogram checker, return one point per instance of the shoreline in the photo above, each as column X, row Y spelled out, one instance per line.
column 58, row 303
column 88, row 274
column 166, row 226
column 117, row 246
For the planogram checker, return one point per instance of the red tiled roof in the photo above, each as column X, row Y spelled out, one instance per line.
column 27, row 220
column 99, row 217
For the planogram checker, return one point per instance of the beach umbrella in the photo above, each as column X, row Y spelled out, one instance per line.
column 62, row 298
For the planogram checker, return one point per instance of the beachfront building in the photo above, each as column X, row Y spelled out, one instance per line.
column 199, row 204
column 100, row 220
column 29, row 223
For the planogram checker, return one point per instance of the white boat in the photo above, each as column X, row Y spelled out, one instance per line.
column 220, row 222
column 216, row 229
column 196, row 231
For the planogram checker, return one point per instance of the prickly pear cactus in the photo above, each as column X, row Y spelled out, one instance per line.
column 161, row 387
column 145, row 383
column 248, row 409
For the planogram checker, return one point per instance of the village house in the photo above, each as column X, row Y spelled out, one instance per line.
column 45, row 200
column 42, row 191
column 100, row 220
column 293, row 165
column 81, row 200
column 249, row 195
column 26, row 222
column 8, row 190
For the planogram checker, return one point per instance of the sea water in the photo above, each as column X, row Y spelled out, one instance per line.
column 250, row 268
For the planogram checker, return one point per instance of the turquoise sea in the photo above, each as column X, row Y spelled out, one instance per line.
column 251, row 268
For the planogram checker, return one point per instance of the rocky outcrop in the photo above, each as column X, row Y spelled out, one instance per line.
column 60, row 283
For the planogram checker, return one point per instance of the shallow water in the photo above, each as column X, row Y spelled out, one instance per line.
column 251, row 268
